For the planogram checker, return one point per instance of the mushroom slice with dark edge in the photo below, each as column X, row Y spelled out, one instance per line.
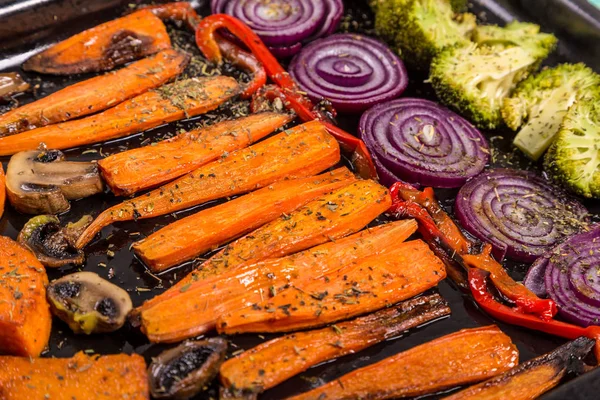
column 11, row 83
column 182, row 372
column 42, row 182
column 53, row 245
column 88, row 303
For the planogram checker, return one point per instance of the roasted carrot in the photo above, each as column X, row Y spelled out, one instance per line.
column 169, row 103
column 469, row 355
column 272, row 362
column 142, row 168
column 95, row 94
column 355, row 289
column 533, row 378
column 103, row 47
column 2, row 190
column 194, row 235
column 25, row 318
column 195, row 310
column 330, row 217
column 301, row 151
column 109, row 377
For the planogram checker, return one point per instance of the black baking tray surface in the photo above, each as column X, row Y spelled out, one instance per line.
column 58, row 19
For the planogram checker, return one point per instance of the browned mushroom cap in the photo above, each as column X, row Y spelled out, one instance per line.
column 42, row 182
column 12, row 83
column 182, row 372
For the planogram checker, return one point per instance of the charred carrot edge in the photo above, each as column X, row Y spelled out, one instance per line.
column 196, row 310
column 2, row 190
column 169, row 103
column 533, row 378
column 142, row 168
column 366, row 286
column 95, row 94
column 301, row 151
column 277, row 360
column 109, row 377
column 25, row 319
column 330, row 217
column 469, row 355
column 104, row 47
column 194, row 235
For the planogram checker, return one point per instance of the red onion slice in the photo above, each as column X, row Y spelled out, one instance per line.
column 285, row 24
column 518, row 212
column 352, row 71
column 422, row 142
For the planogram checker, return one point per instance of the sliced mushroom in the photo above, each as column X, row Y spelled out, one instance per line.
column 182, row 372
column 88, row 303
column 12, row 83
column 42, row 182
column 52, row 244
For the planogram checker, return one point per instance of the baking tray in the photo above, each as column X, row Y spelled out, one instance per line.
column 126, row 271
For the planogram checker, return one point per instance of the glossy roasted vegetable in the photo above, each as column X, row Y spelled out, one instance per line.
column 467, row 356
column 272, row 362
column 186, row 370
column 182, row 99
column 95, row 94
column 82, row 376
column 11, row 83
column 88, row 303
column 25, row 319
column 104, row 47
column 43, row 182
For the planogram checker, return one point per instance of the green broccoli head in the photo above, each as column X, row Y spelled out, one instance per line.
column 573, row 160
column 476, row 79
column 523, row 34
column 420, row 29
column 541, row 101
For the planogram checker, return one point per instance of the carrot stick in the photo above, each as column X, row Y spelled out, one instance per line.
column 167, row 104
column 109, row 377
column 332, row 216
column 195, row 310
column 103, row 47
column 194, row 235
column 95, row 94
column 360, row 288
column 2, row 190
column 277, row 360
column 25, row 318
column 138, row 169
column 469, row 355
column 301, row 151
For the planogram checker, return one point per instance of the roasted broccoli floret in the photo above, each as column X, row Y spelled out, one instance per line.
column 523, row 34
column 540, row 102
column 573, row 160
column 459, row 5
column 420, row 29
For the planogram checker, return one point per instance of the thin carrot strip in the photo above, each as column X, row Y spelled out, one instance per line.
column 169, row 103
column 2, row 190
column 198, row 233
column 301, row 151
column 95, row 94
column 195, row 311
column 142, row 168
column 105, row 46
column 25, row 318
column 469, row 355
column 277, row 360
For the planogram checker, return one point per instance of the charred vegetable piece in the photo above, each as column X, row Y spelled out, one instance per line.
column 43, row 182
column 104, row 47
column 12, row 83
column 273, row 362
column 182, row 99
column 25, row 319
column 108, row 377
column 183, row 372
column 88, row 303
column 194, row 235
column 467, row 356
column 197, row 306
column 302, row 151
column 95, row 94
column 533, row 378
column 2, row 190
column 52, row 244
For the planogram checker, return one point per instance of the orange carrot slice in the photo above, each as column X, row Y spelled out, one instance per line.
column 169, row 103
column 2, row 190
